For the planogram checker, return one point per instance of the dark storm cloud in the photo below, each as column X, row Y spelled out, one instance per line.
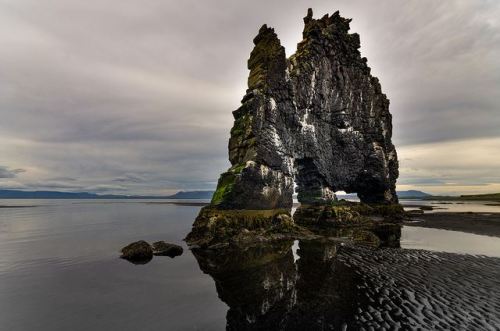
column 137, row 96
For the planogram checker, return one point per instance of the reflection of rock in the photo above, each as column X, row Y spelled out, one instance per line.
column 337, row 287
column 266, row 290
column 318, row 118
column 161, row 248
column 327, row 294
column 139, row 252
column 257, row 283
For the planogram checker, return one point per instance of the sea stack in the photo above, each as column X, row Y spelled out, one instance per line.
column 314, row 123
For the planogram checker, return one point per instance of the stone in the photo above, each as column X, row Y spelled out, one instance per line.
column 214, row 226
column 138, row 252
column 162, row 248
column 348, row 214
column 317, row 120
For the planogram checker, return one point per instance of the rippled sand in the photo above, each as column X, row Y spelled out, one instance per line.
column 426, row 290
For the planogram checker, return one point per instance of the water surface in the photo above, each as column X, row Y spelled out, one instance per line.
column 59, row 270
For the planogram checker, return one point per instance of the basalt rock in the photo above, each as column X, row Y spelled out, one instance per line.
column 348, row 214
column 139, row 252
column 162, row 248
column 317, row 119
column 215, row 227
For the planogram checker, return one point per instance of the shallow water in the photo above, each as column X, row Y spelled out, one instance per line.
column 449, row 241
column 454, row 206
column 59, row 270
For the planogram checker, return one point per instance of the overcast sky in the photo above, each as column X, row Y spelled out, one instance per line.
column 135, row 97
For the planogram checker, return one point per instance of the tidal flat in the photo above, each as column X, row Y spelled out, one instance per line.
column 60, row 270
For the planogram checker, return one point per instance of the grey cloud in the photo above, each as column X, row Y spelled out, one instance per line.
column 140, row 94
column 129, row 178
column 6, row 172
column 51, row 185
column 64, row 179
column 106, row 188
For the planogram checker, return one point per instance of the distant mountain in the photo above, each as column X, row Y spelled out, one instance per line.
column 192, row 195
column 17, row 194
column 412, row 194
column 474, row 197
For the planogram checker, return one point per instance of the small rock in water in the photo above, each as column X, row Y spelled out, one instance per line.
column 139, row 252
column 161, row 248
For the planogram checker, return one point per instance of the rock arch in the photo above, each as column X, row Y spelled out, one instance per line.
column 318, row 119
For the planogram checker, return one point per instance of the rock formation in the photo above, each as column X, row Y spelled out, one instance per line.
column 317, row 119
column 161, row 248
column 141, row 252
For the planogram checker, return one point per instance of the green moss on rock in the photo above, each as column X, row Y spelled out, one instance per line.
column 224, row 187
column 242, row 126
column 226, row 183
column 218, row 226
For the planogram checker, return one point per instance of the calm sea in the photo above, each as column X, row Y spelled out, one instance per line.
column 60, row 268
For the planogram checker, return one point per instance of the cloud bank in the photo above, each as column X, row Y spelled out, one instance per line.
column 136, row 97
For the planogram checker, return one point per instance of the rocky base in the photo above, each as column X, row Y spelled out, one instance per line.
column 215, row 227
column 347, row 214
column 219, row 228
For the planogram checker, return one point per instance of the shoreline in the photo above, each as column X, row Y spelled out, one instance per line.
column 471, row 222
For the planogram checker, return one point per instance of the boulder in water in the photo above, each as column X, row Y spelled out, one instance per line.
column 162, row 248
column 138, row 252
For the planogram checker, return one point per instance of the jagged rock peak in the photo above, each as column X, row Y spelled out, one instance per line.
column 267, row 59
column 309, row 16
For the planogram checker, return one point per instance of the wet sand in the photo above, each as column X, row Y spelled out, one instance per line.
column 417, row 289
column 478, row 223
